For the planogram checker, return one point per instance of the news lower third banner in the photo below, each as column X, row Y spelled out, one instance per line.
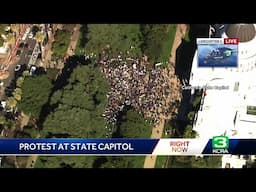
column 218, row 145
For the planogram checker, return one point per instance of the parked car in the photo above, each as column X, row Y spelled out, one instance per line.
column 17, row 68
column 30, row 35
column 32, row 70
column 18, row 53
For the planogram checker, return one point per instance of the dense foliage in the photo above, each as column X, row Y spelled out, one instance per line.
column 60, row 44
column 35, row 94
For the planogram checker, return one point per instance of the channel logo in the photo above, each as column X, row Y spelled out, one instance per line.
column 220, row 144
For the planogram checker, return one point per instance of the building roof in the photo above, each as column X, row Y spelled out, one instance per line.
column 245, row 32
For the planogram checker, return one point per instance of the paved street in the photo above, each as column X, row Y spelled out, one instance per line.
column 26, row 49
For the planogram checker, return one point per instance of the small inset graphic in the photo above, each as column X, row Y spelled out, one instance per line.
column 219, row 53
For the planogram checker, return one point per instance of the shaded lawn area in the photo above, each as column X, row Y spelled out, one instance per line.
column 167, row 45
column 60, row 44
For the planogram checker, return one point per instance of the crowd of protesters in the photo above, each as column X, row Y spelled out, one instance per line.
column 152, row 91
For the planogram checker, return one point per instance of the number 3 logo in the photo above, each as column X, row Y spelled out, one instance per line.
column 220, row 142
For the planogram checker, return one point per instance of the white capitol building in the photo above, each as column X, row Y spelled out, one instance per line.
column 231, row 111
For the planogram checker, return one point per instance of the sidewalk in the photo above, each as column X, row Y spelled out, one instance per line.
column 32, row 159
column 73, row 40
column 157, row 131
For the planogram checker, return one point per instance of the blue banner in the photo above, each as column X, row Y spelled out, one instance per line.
column 76, row 146
column 231, row 146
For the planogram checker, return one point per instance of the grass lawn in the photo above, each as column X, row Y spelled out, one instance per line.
column 186, row 35
column 139, row 160
column 161, row 161
column 167, row 47
column 60, row 44
column 174, row 162
column 79, row 50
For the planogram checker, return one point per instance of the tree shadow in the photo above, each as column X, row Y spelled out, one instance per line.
column 99, row 161
column 61, row 81
column 84, row 32
column 184, row 58
column 58, row 135
column 119, row 120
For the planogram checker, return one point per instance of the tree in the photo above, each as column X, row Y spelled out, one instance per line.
column 213, row 161
column 15, row 29
column 2, row 120
column 196, row 101
column 189, row 132
column 25, row 73
column 115, row 37
column 198, row 162
column 157, row 41
column 36, row 92
column 39, row 37
column 65, row 162
column 11, row 102
column 11, row 125
column 191, row 115
column 60, row 44
column 3, row 32
column 52, row 73
column 17, row 96
column 31, row 132
column 78, row 105
column 113, row 162
column 17, row 93
column 20, row 81
column 1, row 41
column 3, row 28
column 133, row 125
column 10, row 39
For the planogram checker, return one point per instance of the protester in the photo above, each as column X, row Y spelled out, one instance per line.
column 151, row 92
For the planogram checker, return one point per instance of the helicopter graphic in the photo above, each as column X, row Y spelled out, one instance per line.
column 219, row 54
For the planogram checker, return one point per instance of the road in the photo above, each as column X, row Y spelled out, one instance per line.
column 13, row 51
column 157, row 131
column 24, row 57
column 12, row 62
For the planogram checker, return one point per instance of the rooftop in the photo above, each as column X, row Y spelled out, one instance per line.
column 245, row 32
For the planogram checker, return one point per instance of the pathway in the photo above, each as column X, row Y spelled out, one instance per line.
column 157, row 131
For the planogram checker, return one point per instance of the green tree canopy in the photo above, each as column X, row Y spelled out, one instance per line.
column 20, row 81
column 3, row 28
column 133, row 125
column 1, row 41
column 60, row 44
column 35, row 94
column 116, row 37
column 78, row 105
column 157, row 41
column 64, row 162
column 2, row 120
column 11, row 102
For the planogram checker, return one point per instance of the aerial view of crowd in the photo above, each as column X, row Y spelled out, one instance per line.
column 152, row 91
